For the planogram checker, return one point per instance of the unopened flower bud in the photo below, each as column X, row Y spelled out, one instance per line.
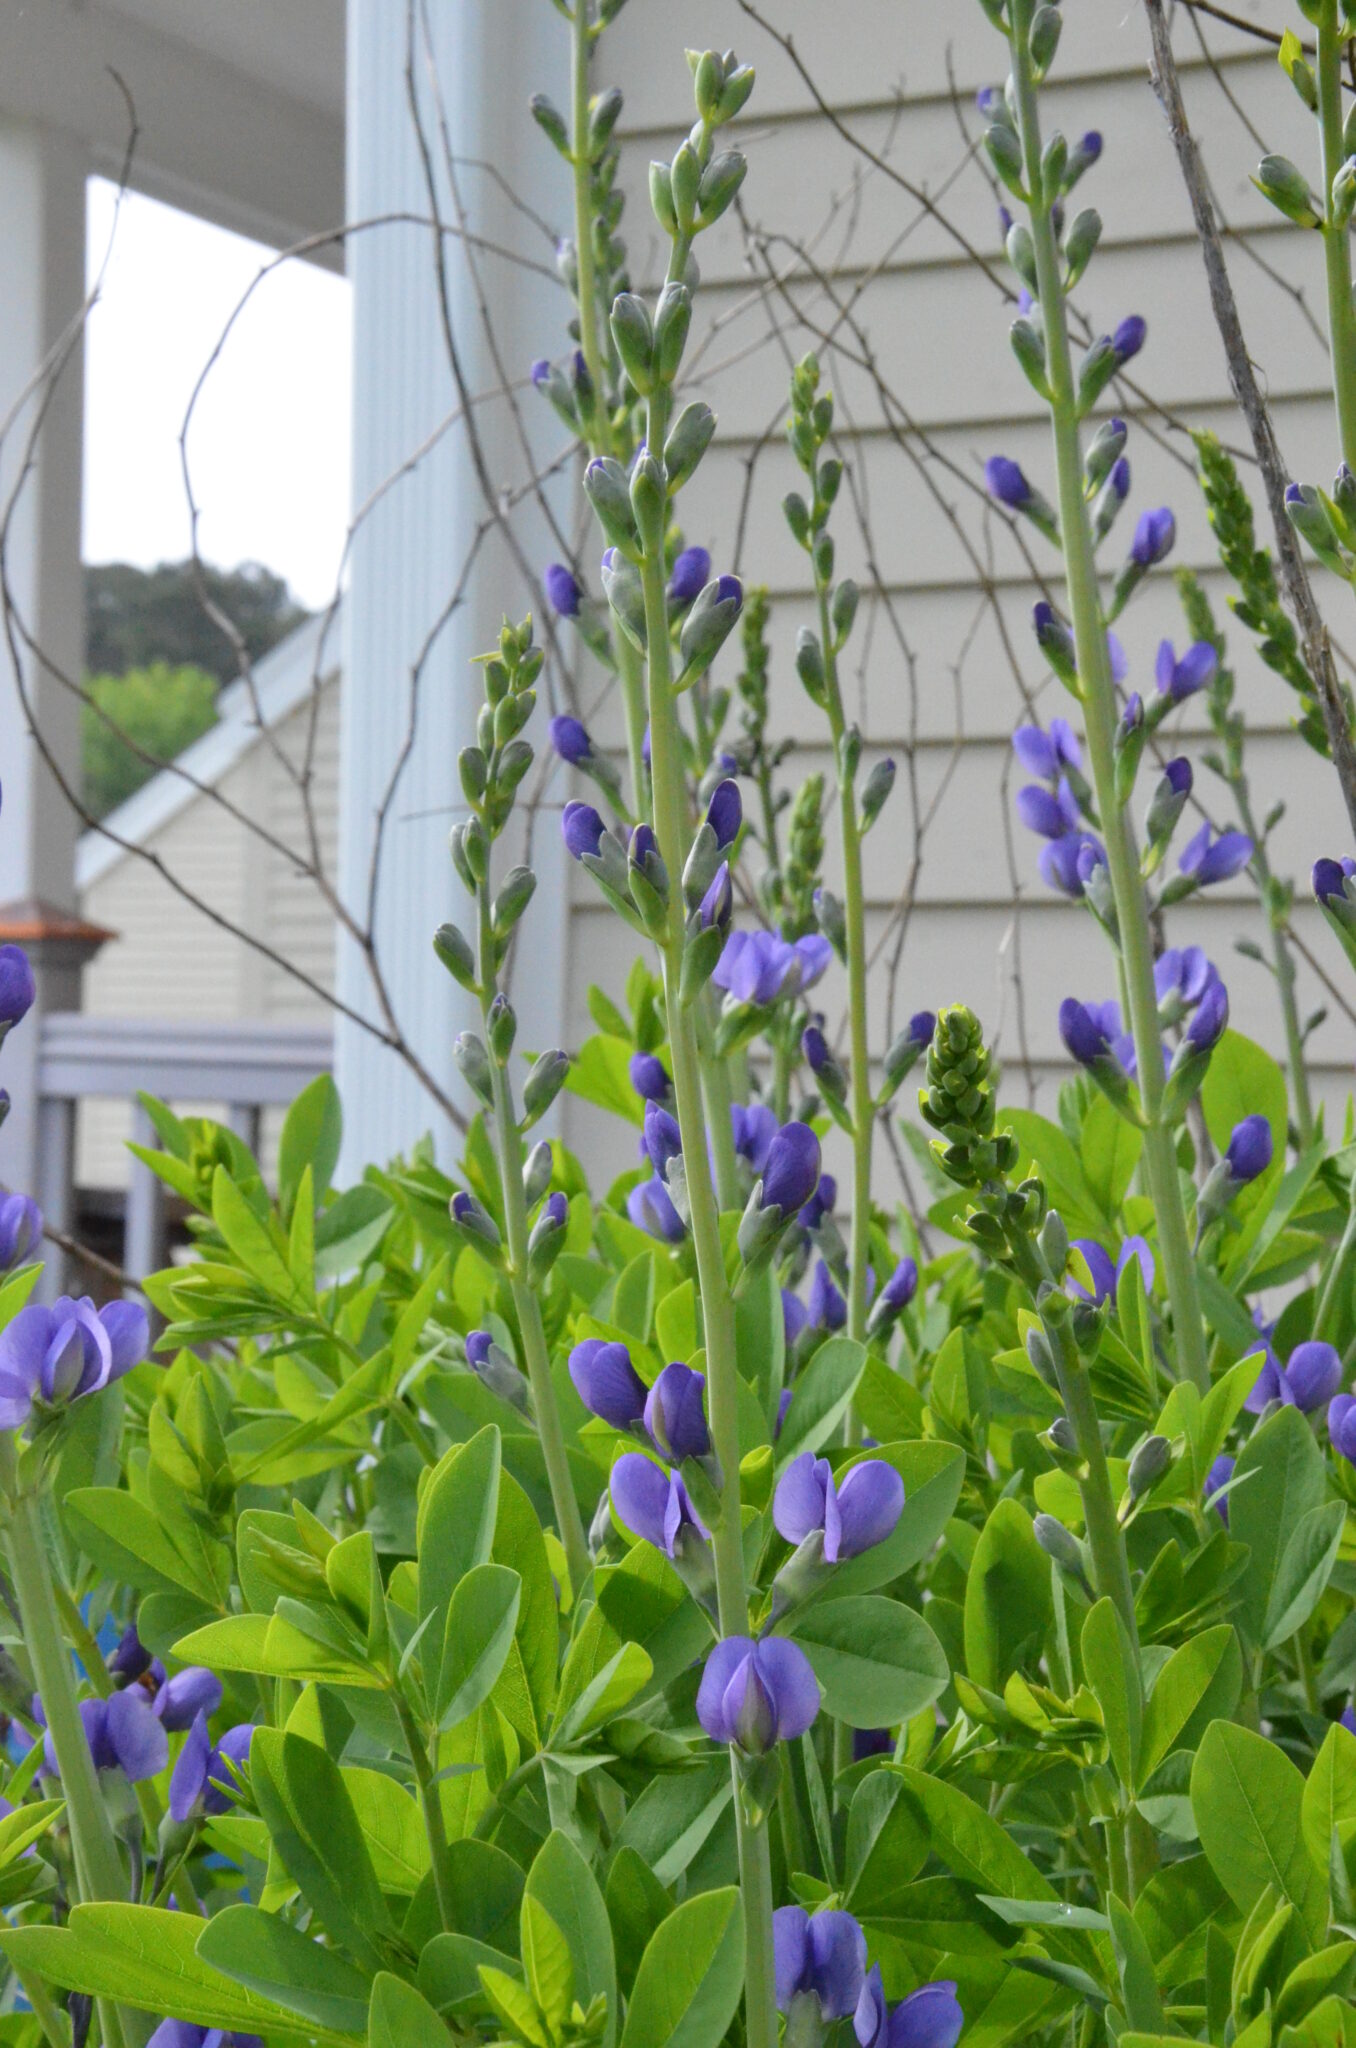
column 661, row 198
column 689, row 438
column 1059, row 1543
column 625, row 594
column 672, row 318
column 1287, row 188
column 546, row 1239
column 473, row 1062
column 634, row 337
column 454, row 950
column 1104, row 452
column 831, row 920
column 1149, row 1461
column 810, row 664
column 842, row 612
column 474, row 1221
column 1005, row 154
column 603, row 117
column 543, row 1084
column 608, row 491
column 551, row 122
column 537, row 1170
column 720, row 181
column 708, row 625
column 879, row 783
column 502, row 1026
column 1085, row 232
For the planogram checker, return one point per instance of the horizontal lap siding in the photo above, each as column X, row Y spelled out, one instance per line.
column 169, row 960
column 934, row 326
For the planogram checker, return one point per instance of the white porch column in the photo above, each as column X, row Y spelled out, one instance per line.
column 42, row 285
column 411, row 549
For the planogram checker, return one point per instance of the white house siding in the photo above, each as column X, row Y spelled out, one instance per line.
column 937, row 329
column 168, row 960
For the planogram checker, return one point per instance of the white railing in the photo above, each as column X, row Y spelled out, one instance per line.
column 245, row 1067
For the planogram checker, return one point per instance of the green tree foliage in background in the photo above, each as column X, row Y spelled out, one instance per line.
column 159, row 709
column 155, row 659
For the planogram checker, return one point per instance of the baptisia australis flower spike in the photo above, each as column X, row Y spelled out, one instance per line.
column 756, row 1694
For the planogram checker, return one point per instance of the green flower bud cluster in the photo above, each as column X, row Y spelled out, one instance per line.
column 957, row 1100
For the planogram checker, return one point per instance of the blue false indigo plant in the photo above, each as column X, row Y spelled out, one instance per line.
column 506, row 1609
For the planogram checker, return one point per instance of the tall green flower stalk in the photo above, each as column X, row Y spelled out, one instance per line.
column 817, row 655
column 1039, row 178
column 688, row 195
column 591, row 157
column 1333, row 34
column 490, row 772
column 99, row 1871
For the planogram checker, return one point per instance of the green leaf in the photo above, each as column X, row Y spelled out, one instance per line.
column 1008, row 1606
column 600, row 1073
column 1110, row 1669
column 1303, row 1572
column 760, row 1338
column 690, row 1977
column 250, row 1240
column 1247, row 1798
column 1062, row 1172
column 128, row 1542
column 675, row 1322
column 1278, row 1480
column 877, row 1661
column 402, row 2017
column 1330, row 1792
column 970, row 1842
column 547, row 1965
column 1181, row 1685
column 392, row 1826
column 821, row 1398
column 527, row 1690
column 886, row 1846
column 1243, row 1080
column 266, row 1955
column 301, row 1794
column 674, row 1816
column 561, row 1881
column 481, row 1618
column 311, row 1135
column 633, row 1297
column 1109, row 1148
column 1135, row 1967
column 636, row 1904
column 455, row 1530
column 146, row 1957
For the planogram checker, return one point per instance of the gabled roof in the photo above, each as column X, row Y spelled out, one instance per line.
column 282, row 681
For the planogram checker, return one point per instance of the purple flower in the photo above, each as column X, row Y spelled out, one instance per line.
column 795, row 1318
column 900, row 1289
column 675, row 1414
column 823, row 1958
column 1047, row 754
column 131, row 1659
column 188, row 2034
column 650, row 1208
column 562, row 591
column 1099, row 1265
column 1052, row 813
column 663, row 1139
column 792, row 1170
column 1215, row 862
column 17, row 987
column 1342, row 1430
column 758, row 967
column 124, row 1734
column 478, row 1344
column 56, row 1354
column 1219, row 1475
column 725, row 813
column 1137, row 1248
column 691, row 573
column 718, row 902
column 570, row 740
column 853, row 1516
column 179, row 1700
column 540, row 370
column 1132, row 718
column 1062, row 861
column 815, row 1047
column 20, row 1230
column 821, row 1202
column 203, row 1779
column 607, row 1383
column 1090, row 146
column 1311, row 1377
column 1128, row 339
column 1181, row 679
column 582, row 829
column 1154, row 537
column 827, row 1308
column 1006, row 482
column 871, row 1742
column 754, row 1127
column 654, row 1504
column 990, row 101
column 1082, row 1032
column 649, row 1077
column 757, row 1694
column 1182, row 976
column 1329, row 877
column 928, row 2018
column 1206, row 1028
column 1249, row 1148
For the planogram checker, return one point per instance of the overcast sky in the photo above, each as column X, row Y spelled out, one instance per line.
column 269, row 443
